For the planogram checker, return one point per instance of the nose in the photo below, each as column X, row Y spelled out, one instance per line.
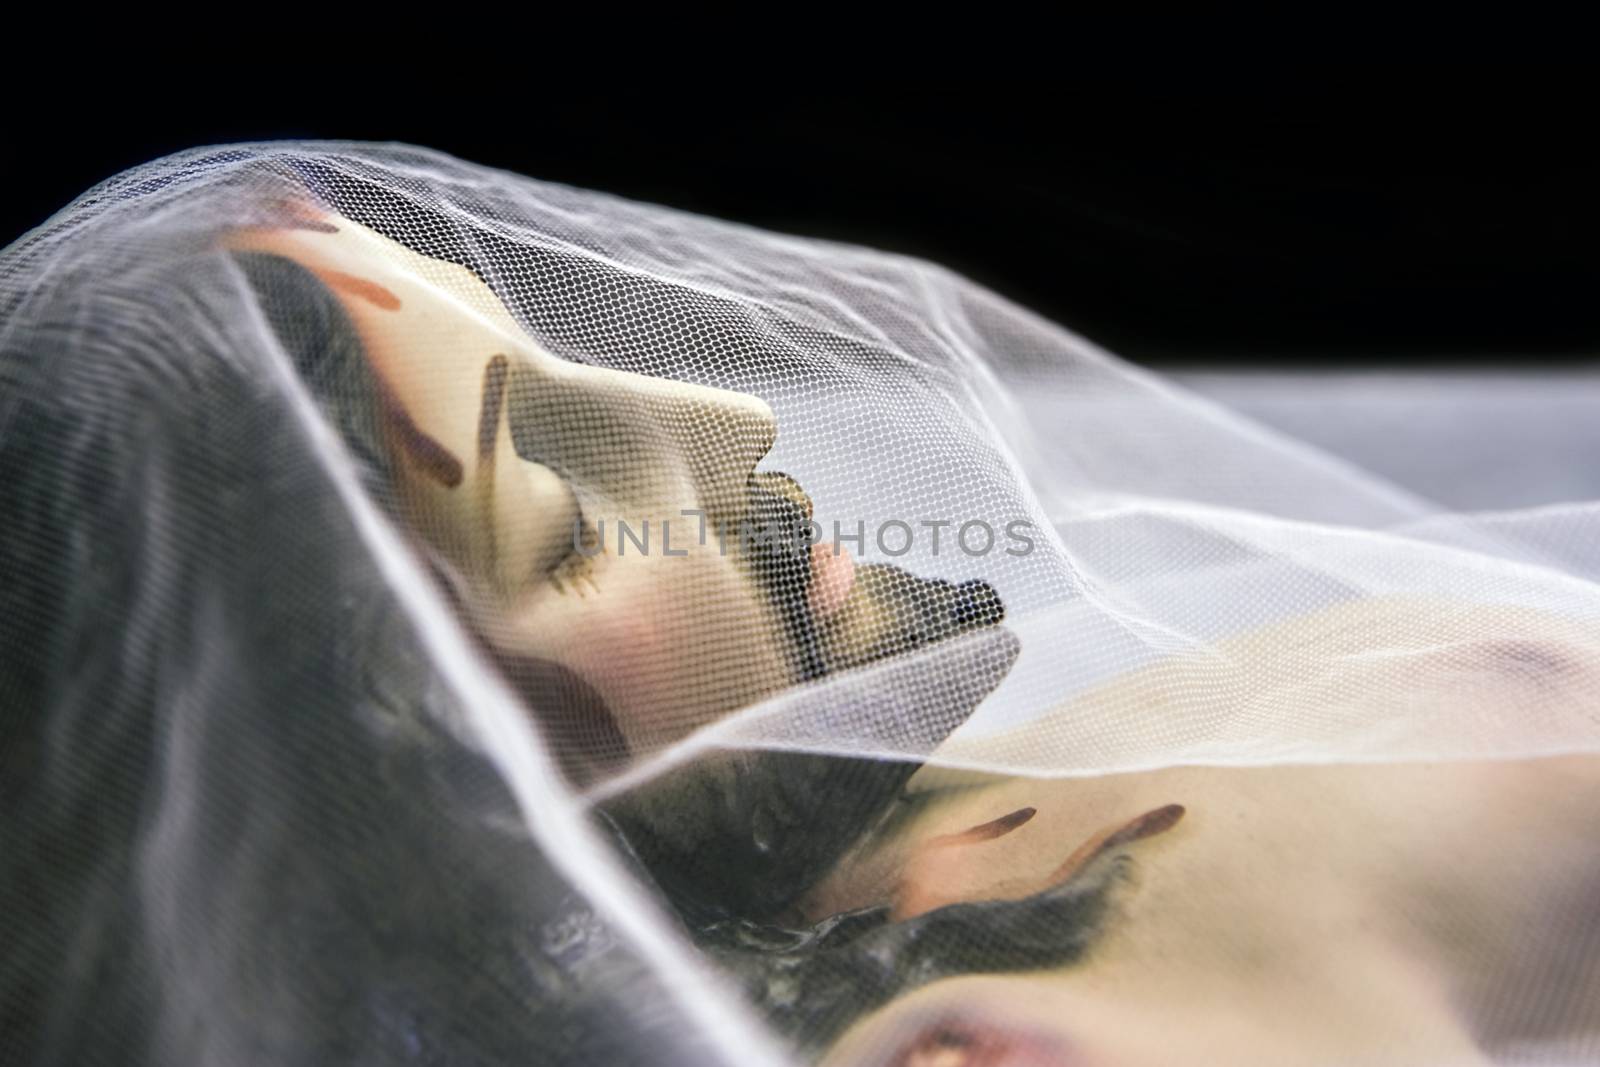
column 640, row 442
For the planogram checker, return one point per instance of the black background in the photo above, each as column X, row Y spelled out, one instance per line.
column 1176, row 213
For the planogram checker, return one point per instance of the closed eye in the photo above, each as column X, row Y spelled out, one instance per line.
column 575, row 570
column 532, row 524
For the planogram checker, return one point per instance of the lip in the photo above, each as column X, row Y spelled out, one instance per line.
column 833, row 576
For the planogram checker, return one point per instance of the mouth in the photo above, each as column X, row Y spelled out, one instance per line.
column 833, row 577
column 838, row 613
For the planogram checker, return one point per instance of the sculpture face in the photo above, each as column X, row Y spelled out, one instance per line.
column 502, row 452
column 1284, row 915
column 520, row 471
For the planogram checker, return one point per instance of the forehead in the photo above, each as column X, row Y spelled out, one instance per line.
column 432, row 330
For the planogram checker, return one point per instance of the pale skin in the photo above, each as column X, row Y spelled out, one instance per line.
column 1338, row 914
column 610, row 445
column 1388, row 913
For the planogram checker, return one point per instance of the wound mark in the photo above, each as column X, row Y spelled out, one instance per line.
column 922, row 885
column 987, row 831
column 1149, row 824
column 369, row 291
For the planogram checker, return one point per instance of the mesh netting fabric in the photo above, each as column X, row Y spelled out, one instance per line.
column 449, row 617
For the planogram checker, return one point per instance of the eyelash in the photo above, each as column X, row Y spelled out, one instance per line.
column 580, row 525
column 574, row 566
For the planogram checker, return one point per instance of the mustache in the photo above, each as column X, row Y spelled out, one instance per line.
column 891, row 611
column 781, row 565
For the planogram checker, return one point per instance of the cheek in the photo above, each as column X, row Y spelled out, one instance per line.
column 670, row 644
column 624, row 650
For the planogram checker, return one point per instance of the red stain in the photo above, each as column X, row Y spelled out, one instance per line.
column 1147, row 825
column 984, row 831
column 369, row 291
column 923, row 882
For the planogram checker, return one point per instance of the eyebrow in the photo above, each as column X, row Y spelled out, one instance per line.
column 987, row 831
column 367, row 289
